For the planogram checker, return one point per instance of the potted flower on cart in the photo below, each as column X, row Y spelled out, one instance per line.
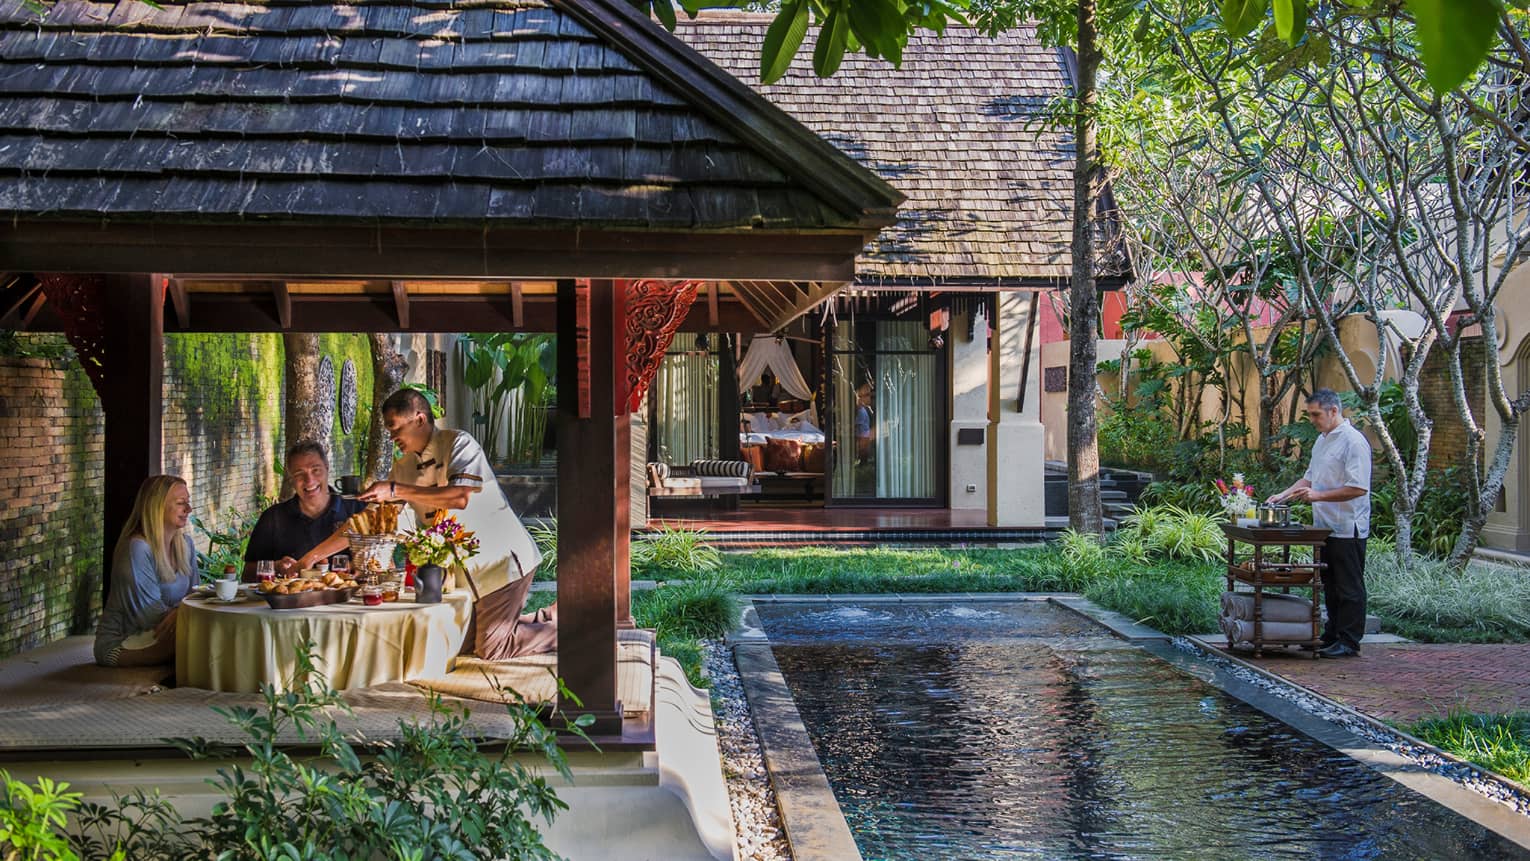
column 434, row 548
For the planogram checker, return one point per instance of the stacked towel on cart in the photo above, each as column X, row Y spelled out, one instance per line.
column 1287, row 618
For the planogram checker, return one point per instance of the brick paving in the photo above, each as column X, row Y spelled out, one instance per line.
column 1405, row 682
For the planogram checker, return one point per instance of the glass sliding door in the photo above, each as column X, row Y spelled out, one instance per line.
column 888, row 413
column 685, row 395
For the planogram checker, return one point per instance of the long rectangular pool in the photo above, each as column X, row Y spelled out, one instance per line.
column 957, row 731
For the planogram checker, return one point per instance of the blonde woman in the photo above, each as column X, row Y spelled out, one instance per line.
column 153, row 567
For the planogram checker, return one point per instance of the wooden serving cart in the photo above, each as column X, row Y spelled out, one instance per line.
column 1269, row 566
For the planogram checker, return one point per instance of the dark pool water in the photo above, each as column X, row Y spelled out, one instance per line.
column 1017, row 730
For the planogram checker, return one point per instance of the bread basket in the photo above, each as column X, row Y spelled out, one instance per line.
column 371, row 553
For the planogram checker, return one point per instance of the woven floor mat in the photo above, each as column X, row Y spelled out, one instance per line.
column 65, row 672
column 534, row 677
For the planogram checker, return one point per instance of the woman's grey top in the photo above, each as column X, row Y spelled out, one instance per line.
column 138, row 599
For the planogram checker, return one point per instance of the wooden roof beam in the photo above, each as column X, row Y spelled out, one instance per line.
column 283, row 303
column 517, row 305
column 740, row 293
column 401, row 303
column 180, row 301
column 712, row 288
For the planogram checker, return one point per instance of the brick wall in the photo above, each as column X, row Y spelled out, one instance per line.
column 50, row 514
column 1437, row 394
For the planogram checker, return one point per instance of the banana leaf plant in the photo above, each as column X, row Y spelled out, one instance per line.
column 509, row 376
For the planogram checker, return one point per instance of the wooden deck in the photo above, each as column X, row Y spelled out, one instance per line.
column 760, row 525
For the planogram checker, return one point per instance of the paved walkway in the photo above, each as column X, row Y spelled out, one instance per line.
column 1405, row 682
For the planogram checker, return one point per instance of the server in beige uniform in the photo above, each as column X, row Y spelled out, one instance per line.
column 446, row 469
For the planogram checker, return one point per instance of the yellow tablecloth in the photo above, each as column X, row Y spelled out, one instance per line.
column 238, row 647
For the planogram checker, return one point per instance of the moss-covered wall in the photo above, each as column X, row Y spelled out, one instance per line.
column 51, row 461
column 223, row 419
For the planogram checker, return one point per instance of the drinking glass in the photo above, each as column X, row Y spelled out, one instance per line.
column 340, row 563
column 265, row 569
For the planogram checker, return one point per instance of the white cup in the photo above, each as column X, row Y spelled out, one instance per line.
column 227, row 589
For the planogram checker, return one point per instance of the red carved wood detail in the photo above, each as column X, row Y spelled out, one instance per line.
column 582, row 344
column 655, row 310
column 79, row 301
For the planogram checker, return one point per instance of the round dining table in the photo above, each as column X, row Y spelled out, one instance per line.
column 242, row 645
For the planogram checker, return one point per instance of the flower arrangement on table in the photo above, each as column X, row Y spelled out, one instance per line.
column 1237, row 500
column 444, row 542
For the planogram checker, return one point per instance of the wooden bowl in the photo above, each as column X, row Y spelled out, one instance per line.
column 313, row 598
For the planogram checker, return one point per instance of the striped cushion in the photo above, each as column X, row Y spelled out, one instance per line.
column 722, row 468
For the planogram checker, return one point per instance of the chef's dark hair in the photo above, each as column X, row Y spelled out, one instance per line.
column 407, row 401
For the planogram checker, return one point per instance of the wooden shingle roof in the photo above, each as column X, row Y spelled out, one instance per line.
column 956, row 129
column 571, row 114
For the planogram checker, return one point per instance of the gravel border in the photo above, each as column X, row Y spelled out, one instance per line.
column 756, row 818
column 1469, row 776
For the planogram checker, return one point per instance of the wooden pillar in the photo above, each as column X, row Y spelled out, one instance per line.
column 592, row 466
column 132, row 398
column 621, row 415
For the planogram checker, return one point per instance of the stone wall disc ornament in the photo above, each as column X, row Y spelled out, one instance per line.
column 324, row 388
column 347, row 396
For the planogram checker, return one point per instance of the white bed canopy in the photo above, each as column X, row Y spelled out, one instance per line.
column 770, row 353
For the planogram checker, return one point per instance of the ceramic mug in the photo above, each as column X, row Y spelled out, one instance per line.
column 227, row 589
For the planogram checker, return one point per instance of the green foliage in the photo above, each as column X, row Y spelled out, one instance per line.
column 33, row 819
column 1438, row 519
column 545, row 534
column 1082, row 551
column 510, row 376
column 1426, row 600
column 674, row 551
column 1500, row 743
column 1174, row 598
column 826, row 570
column 226, row 541
column 684, row 613
column 1171, row 532
column 430, row 794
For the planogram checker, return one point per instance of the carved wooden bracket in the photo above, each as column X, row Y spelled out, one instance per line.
column 79, row 302
column 655, row 310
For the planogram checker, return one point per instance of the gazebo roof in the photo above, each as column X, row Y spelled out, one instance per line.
column 959, row 128
column 574, row 114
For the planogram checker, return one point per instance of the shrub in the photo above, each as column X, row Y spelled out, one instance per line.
column 1175, row 599
column 545, row 534
column 684, row 613
column 1082, row 552
column 1428, row 601
column 430, row 794
column 1170, row 532
column 672, row 551
column 32, row 819
column 227, row 540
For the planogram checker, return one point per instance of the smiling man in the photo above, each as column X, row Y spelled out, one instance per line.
column 1338, row 484
column 289, row 530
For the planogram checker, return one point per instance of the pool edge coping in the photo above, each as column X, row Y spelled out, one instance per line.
column 811, row 818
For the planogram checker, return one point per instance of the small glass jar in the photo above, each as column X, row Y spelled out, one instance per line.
column 371, row 596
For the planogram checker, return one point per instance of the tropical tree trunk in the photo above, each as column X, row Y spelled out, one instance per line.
column 388, row 369
column 1084, row 514
column 310, row 411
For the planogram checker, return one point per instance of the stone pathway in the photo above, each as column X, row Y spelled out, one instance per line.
column 1405, row 682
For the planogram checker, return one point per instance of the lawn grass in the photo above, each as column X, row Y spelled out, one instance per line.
column 1497, row 742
